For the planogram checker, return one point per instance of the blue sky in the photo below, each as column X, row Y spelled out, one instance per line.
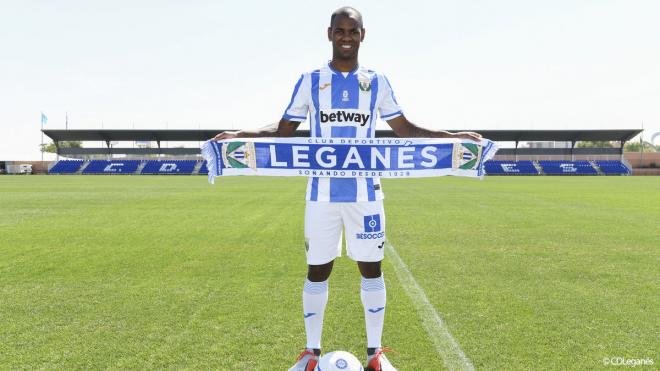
column 219, row 64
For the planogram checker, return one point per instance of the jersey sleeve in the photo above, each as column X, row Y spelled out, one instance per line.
column 388, row 107
column 299, row 105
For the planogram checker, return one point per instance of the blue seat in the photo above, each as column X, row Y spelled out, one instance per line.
column 203, row 170
column 112, row 167
column 169, row 167
column 568, row 168
column 66, row 167
column 510, row 168
column 610, row 167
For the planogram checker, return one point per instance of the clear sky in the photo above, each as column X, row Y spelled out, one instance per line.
column 233, row 64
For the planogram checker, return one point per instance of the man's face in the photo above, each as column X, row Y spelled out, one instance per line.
column 346, row 36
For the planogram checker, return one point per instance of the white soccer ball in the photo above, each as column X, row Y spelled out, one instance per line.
column 339, row 361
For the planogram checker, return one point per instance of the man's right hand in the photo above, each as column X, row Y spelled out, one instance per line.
column 226, row 135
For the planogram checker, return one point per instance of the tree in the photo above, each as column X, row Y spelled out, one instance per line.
column 50, row 147
column 634, row 146
column 595, row 144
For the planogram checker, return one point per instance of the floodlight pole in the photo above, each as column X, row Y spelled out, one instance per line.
column 572, row 149
column 515, row 152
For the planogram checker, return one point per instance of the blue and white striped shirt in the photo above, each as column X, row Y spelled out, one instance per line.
column 342, row 105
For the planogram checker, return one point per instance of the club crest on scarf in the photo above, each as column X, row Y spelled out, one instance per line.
column 466, row 156
column 239, row 155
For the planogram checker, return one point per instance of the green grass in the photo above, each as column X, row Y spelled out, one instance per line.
column 148, row 272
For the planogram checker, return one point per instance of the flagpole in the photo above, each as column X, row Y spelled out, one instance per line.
column 42, row 137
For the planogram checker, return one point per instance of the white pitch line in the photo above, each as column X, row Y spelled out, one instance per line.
column 445, row 344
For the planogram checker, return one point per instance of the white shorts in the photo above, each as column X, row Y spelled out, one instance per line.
column 364, row 223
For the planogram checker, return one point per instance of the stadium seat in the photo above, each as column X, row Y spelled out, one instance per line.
column 112, row 167
column 66, row 167
column 613, row 167
column 510, row 168
column 203, row 170
column 170, row 167
column 568, row 168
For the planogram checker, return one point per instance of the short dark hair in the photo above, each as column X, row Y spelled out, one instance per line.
column 347, row 11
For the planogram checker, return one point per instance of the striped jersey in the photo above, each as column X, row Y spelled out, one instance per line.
column 342, row 105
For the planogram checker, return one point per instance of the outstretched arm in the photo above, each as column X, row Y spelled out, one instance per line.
column 406, row 129
column 284, row 128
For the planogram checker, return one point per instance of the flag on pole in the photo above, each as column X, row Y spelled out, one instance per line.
column 44, row 119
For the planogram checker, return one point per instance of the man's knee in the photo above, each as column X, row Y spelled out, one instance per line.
column 370, row 269
column 319, row 273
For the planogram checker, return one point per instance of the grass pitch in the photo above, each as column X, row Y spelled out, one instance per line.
column 153, row 272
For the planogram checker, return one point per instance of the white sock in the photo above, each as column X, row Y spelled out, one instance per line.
column 315, row 297
column 373, row 299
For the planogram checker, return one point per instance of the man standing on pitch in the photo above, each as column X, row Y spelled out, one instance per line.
column 342, row 99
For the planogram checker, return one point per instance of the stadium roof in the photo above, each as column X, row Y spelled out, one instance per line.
column 110, row 135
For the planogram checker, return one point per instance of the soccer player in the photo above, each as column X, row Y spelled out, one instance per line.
column 342, row 99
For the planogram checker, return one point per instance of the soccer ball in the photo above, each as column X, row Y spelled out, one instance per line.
column 339, row 361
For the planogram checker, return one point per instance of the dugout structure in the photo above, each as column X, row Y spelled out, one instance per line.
column 109, row 143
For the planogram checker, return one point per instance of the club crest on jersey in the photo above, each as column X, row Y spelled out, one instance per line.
column 365, row 85
column 239, row 155
column 344, row 96
column 466, row 156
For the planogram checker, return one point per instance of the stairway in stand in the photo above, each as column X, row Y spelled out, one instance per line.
column 538, row 167
column 198, row 167
column 595, row 166
column 84, row 165
column 138, row 171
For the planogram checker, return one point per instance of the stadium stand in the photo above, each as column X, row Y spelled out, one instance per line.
column 613, row 167
column 567, row 159
column 203, row 170
column 510, row 168
column 66, row 167
column 180, row 167
column 187, row 167
column 112, row 167
column 568, row 168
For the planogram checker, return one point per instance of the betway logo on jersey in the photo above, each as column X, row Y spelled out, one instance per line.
column 346, row 115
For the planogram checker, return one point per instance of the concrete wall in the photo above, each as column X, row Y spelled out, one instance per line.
column 643, row 160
